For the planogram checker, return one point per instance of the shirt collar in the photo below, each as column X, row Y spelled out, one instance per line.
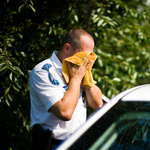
column 56, row 62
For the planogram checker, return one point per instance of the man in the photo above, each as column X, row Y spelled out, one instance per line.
column 56, row 105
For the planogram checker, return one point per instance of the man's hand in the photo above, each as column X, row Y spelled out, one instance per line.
column 78, row 72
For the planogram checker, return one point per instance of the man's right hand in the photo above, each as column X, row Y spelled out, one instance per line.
column 78, row 72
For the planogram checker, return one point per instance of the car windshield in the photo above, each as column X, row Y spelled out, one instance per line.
column 126, row 126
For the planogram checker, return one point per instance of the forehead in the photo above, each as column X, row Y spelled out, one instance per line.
column 87, row 43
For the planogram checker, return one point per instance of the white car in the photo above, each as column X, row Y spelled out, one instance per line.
column 121, row 124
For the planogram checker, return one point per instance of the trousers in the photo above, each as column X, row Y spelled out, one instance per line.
column 42, row 139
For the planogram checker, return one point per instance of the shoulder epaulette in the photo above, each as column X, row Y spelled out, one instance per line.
column 47, row 66
column 51, row 78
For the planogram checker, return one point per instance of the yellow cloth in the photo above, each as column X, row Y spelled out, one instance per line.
column 78, row 59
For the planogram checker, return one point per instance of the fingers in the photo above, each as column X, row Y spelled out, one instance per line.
column 79, row 72
column 71, row 65
column 75, row 68
column 86, row 60
column 86, row 63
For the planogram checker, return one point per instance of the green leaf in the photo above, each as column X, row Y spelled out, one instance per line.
column 100, row 22
column 2, row 65
column 117, row 79
column 7, row 90
column 96, row 34
column 96, row 76
column 23, row 54
column 10, row 97
column 10, row 76
column 31, row 2
column 55, row 32
column 17, row 70
column 117, row 6
column 147, row 74
column 104, row 24
column 99, row 79
column 5, row 68
column 50, row 30
column 96, row 20
column 28, row 127
column 135, row 75
column 109, row 93
column 1, row 50
column 46, row 23
column 9, row 63
column 8, row 44
column 111, row 23
column 20, row 8
column 99, row 9
column 1, row 57
column 95, row 16
column 17, row 84
column 20, row 35
column 76, row 18
column 24, row 123
column 100, row 62
column 7, row 102
column 13, row 60
column 11, row 39
column 15, row 88
column 33, row 9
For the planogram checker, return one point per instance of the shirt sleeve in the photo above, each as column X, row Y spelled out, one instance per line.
column 47, row 92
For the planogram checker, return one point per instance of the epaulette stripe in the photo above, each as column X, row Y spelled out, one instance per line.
column 47, row 66
column 51, row 78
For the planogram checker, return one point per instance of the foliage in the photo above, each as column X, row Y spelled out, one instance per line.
column 31, row 30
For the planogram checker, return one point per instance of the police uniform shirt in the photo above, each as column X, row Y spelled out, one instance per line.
column 47, row 86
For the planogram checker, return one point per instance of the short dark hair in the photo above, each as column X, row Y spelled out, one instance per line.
column 73, row 38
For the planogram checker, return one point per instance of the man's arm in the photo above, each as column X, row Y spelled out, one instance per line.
column 65, row 107
column 94, row 97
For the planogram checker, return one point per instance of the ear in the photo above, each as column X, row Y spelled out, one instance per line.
column 66, row 48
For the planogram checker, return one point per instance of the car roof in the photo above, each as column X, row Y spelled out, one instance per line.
column 124, row 96
column 141, row 93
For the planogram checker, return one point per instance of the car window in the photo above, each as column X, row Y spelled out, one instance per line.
column 125, row 126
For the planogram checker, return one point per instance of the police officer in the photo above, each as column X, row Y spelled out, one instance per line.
column 57, row 108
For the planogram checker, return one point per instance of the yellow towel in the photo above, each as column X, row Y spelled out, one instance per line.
column 78, row 59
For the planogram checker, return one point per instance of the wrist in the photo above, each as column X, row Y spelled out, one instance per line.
column 76, row 80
